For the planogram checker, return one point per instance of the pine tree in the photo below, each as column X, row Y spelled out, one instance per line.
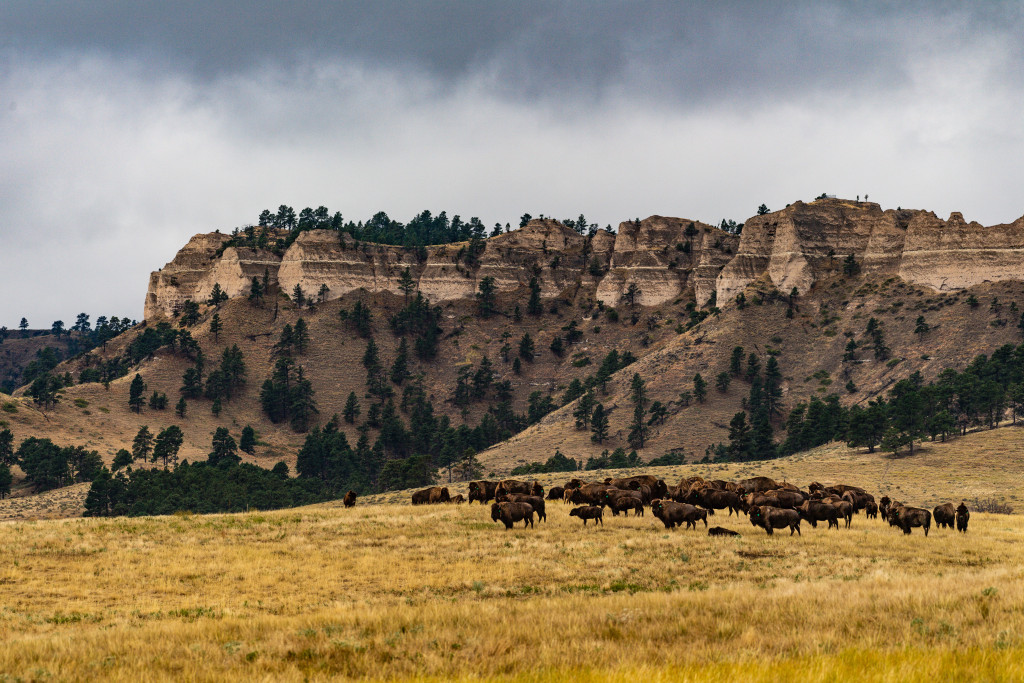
column 482, row 378
column 217, row 296
column 215, row 326
column 700, row 388
column 302, row 407
column 772, row 386
column 248, row 441
column 485, row 297
column 142, row 444
column 526, row 350
column 167, row 444
column 584, row 409
column 722, row 381
column 406, row 284
column 256, row 292
column 753, row 367
column 351, row 410
column 599, row 424
column 736, row 361
column 181, row 407
column 739, row 437
column 533, row 306
column 216, row 407
column 400, row 368
column 135, row 391
column 298, row 296
column 225, row 450
column 300, row 335
column 921, row 326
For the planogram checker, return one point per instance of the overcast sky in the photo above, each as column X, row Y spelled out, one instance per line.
column 126, row 127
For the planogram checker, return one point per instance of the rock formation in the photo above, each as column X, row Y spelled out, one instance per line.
column 664, row 257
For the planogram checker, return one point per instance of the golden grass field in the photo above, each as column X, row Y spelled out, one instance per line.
column 390, row 591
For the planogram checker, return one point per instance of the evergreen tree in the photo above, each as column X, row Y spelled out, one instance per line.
column 772, row 386
column 215, row 326
column 351, row 410
column 142, row 444
column 631, row 294
column 256, row 292
column 300, row 335
column 526, row 350
column 753, row 367
column 483, row 378
column 485, row 297
column 217, row 296
column 739, row 437
column 216, row 407
column 722, row 381
column 135, row 391
column 298, row 296
column 573, row 391
column 248, row 441
column 599, row 424
column 7, row 447
column 192, row 383
column 225, row 450
column 700, row 388
column 584, row 409
column 868, row 425
column 167, row 444
column 557, row 346
column 400, row 368
column 302, row 407
column 6, row 478
column 736, row 361
column 181, row 407
column 921, row 326
column 533, row 307
column 406, row 284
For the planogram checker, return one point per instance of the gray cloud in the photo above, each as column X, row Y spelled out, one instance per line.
column 124, row 129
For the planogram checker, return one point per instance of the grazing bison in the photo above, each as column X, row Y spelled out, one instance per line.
column 721, row 531
column 555, row 493
column 944, row 515
column 482, row 491
column 845, row 509
column 720, row 499
column 431, row 496
column 676, row 514
column 458, row 499
column 871, row 510
column 815, row 511
column 619, row 500
column 513, row 486
column 510, row 513
column 963, row 515
column 536, row 502
column 858, row 499
column 585, row 512
column 770, row 518
column 350, row 499
column 907, row 517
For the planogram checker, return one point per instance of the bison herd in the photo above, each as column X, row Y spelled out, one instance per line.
column 768, row 504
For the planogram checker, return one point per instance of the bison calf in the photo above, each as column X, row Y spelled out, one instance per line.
column 585, row 512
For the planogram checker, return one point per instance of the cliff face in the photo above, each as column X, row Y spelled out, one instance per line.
column 665, row 258
column 561, row 259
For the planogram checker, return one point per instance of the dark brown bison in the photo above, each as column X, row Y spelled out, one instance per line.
column 350, row 499
column 431, row 496
column 788, row 498
column 883, row 506
column 510, row 513
column 845, row 509
column 482, row 491
column 619, row 500
column 574, row 483
column 458, row 499
column 762, row 499
column 720, row 499
column 658, row 486
column 556, row 492
column 585, row 512
column 721, row 531
column 676, row 514
column 770, row 518
column 536, row 502
column 858, row 499
column 907, row 518
column 944, row 515
column 536, row 489
column 963, row 515
column 589, row 494
column 758, row 484
column 871, row 510
column 815, row 511
column 513, row 486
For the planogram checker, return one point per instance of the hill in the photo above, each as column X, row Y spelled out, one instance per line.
column 798, row 285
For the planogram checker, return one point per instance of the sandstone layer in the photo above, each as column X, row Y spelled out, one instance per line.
column 664, row 258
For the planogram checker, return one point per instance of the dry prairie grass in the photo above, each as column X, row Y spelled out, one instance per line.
column 397, row 592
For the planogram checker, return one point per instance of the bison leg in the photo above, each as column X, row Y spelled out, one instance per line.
column 795, row 527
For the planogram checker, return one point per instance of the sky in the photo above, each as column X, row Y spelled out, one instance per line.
column 127, row 127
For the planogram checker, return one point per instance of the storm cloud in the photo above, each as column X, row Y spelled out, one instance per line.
column 127, row 127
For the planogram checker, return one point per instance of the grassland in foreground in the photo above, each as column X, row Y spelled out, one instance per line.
column 399, row 592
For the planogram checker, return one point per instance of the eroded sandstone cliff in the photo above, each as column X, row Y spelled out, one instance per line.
column 665, row 258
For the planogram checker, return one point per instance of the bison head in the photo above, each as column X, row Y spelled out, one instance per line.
column 575, row 512
column 660, row 489
column 756, row 516
column 495, row 512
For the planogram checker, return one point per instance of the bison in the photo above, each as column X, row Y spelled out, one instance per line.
column 431, row 496
column 458, row 499
column 721, row 531
column 758, row 484
column 770, row 518
column 658, row 487
column 619, row 500
column 845, row 509
column 510, row 513
column 963, row 515
column 482, row 491
column 536, row 502
column 815, row 511
column 676, row 514
column 513, row 486
column 883, row 506
column 944, row 515
column 350, row 499
column 871, row 510
column 556, row 493
column 907, row 517
column 721, row 499
column 585, row 512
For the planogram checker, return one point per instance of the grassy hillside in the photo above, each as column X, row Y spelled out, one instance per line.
column 301, row 595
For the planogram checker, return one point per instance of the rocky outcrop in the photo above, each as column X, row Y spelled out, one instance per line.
column 661, row 259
